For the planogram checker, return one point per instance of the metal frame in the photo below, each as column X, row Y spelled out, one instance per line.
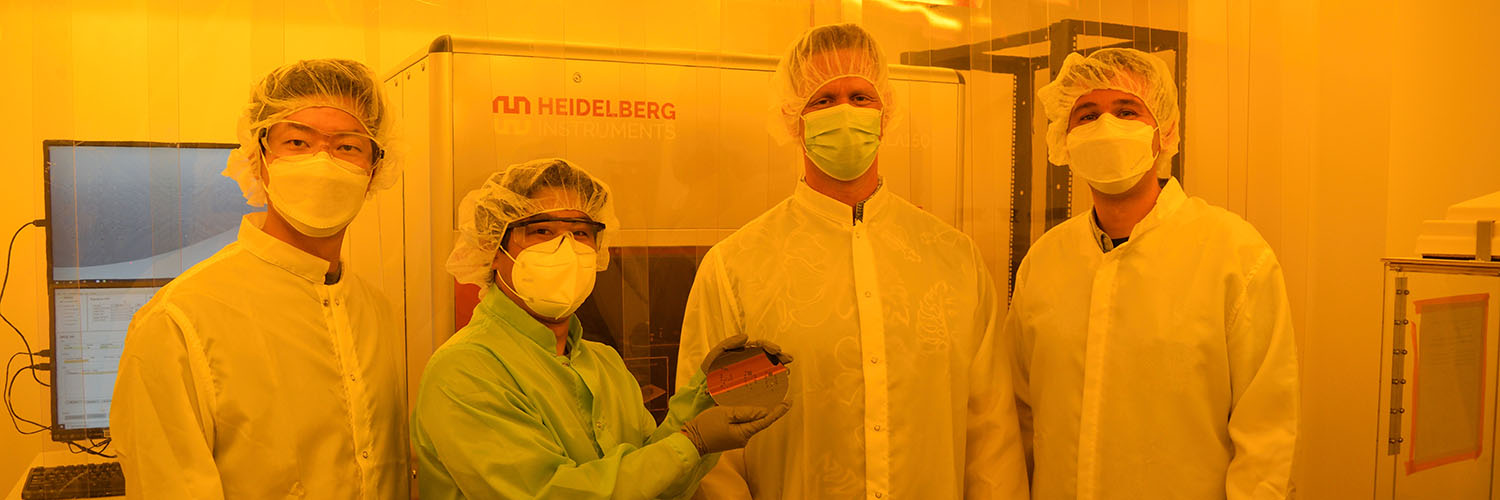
column 1062, row 38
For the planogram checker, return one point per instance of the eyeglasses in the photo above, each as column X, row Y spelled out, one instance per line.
column 288, row 137
column 535, row 231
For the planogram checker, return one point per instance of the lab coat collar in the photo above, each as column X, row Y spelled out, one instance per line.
column 500, row 307
column 1167, row 203
column 280, row 253
column 836, row 210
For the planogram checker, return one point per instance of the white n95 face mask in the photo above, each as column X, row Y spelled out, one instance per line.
column 1111, row 154
column 554, row 277
column 317, row 194
column 842, row 140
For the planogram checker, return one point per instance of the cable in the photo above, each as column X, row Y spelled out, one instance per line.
column 9, row 252
column 12, row 360
column 94, row 448
column 8, row 406
column 15, row 418
column 70, row 481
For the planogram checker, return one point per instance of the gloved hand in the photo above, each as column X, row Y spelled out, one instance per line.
column 739, row 341
column 724, row 428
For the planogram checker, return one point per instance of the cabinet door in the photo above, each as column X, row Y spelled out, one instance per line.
column 1444, row 386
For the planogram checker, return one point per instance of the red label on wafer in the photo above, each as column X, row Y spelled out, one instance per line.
column 742, row 373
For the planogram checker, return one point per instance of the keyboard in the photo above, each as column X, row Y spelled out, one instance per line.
column 74, row 481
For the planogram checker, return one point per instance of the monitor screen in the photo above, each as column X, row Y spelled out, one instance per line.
column 124, row 218
column 90, row 333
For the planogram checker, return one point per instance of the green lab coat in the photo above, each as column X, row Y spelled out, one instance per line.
column 501, row 415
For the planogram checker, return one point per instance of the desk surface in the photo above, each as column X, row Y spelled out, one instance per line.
column 53, row 459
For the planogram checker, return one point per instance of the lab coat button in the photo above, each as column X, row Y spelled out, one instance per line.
column 868, row 294
column 874, row 361
column 366, row 454
column 325, row 302
column 877, row 428
column 879, row 495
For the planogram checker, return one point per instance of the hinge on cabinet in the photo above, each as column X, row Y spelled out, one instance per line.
column 1398, row 366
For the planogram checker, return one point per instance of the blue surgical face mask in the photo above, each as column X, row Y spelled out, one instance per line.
column 842, row 140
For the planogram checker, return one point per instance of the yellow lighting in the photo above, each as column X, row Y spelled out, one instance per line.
column 933, row 18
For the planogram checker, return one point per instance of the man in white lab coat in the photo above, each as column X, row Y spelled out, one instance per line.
column 901, row 388
column 267, row 370
column 1153, row 342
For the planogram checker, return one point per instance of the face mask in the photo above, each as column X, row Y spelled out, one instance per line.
column 842, row 140
column 317, row 194
column 1112, row 154
column 554, row 277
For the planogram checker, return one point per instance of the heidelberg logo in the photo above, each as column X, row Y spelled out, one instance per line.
column 599, row 108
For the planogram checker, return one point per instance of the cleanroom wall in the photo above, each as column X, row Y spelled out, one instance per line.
column 1335, row 151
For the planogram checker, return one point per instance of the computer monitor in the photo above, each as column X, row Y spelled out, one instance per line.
column 124, row 218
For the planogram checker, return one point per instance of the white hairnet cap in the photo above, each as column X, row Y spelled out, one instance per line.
column 336, row 83
column 518, row 192
column 824, row 54
column 1127, row 70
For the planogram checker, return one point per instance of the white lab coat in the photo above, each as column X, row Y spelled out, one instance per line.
column 248, row 377
column 1163, row 369
column 900, row 387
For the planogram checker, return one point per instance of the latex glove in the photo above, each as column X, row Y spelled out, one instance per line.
column 739, row 341
column 725, row 428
